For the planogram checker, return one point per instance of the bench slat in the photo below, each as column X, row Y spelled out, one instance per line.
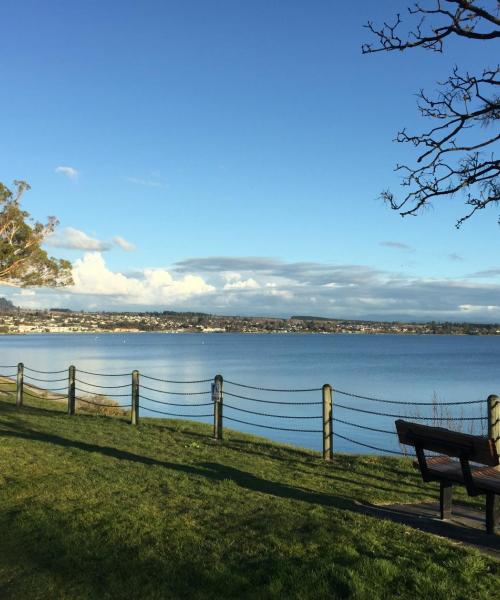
column 450, row 443
column 485, row 479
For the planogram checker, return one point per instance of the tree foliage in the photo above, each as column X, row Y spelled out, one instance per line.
column 456, row 154
column 23, row 262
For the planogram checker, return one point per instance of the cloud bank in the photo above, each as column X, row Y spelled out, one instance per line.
column 93, row 278
column 267, row 286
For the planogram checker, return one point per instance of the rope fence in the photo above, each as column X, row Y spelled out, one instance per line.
column 174, row 381
column 414, row 417
column 103, row 395
column 363, row 422
column 269, row 401
column 56, row 380
column 115, row 387
column 174, row 403
column 370, row 398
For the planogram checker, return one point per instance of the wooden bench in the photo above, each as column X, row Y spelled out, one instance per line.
column 479, row 478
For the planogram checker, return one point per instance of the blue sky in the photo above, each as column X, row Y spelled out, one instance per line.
column 236, row 150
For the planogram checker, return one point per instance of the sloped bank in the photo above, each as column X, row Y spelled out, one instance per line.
column 94, row 508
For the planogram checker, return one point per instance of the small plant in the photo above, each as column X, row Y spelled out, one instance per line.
column 448, row 416
column 100, row 405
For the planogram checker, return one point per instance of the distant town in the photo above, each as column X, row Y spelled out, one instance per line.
column 14, row 320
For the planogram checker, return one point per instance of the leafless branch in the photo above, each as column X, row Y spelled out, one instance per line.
column 457, row 153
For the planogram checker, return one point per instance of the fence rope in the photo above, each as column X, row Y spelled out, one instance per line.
column 61, row 389
column 102, row 386
column 173, row 381
column 45, row 380
column 104, row 374
column 252, row 412
column 406, row 403
column 8, row 366
column 28, row 393
column 162, row 412
column 363, row 426
column 275, row 428
column 45, row 372
column 175, row 403
column 368, row 445
column 270, row 401
column 104, row 395
column 175, row 393
column 432, row 418
column 8, row 374
column 264, row 389
column 40, row 396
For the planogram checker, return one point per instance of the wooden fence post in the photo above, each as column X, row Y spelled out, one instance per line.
column 19, row 385
column 134, row 412
column 71, row 390
column 494, row 421
column 217, row 397
column 327, row 422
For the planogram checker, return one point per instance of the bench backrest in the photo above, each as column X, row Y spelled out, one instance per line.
column 451, row 443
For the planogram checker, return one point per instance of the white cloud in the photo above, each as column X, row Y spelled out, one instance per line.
column 285, row 294
column 75, row 239
column 92, row 277
column 243, row 284
column 70, row 172
column 332, row 284
column 123, row 244
column 479, row 308
column 231, row 276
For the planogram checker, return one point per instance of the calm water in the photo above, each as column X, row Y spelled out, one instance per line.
column 406, row 368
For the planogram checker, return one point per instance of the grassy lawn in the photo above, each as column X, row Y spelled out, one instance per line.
column 91, row 507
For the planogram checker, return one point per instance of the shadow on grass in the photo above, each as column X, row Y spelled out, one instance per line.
column 214, row 471
column 295, row 458
column 71, row 559
column 220, row 472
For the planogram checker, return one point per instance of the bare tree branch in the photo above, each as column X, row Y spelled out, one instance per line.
column 457, row 155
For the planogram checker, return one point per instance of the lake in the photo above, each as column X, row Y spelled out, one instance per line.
column 398, row 368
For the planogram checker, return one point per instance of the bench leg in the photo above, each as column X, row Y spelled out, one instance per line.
column 492, row 512
column 445, row 499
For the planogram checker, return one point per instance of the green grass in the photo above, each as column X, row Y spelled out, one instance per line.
column 91, row 507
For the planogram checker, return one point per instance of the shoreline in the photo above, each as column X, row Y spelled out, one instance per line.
column 134, row 331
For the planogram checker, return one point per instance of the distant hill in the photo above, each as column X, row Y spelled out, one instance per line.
column 6, row 306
